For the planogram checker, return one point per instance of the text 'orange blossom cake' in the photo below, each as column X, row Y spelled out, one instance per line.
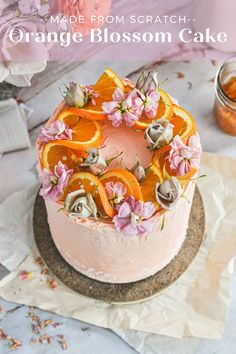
column 118, row 165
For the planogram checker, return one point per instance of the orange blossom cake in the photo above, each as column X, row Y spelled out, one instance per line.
column 118, row 163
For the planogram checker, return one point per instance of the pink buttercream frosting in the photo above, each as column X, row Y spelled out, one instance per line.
column 98, row 250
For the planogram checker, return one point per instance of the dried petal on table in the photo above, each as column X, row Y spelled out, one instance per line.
column 24, row 275
column 39, row 261
column 33, row 341
column 45, row 271
column 45, row 339
column 57, row 324
column 14, row 343
column 52, row 283
column 46, row 323
column 35, row 328
column 62, row 341
column 190, row 85
column 3, row 335
column 180, row 75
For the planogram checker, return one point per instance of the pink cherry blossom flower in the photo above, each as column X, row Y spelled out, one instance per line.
column 151, row 104
column 53, row 183
column 133, row 217
column 122, row 108
column 183, row 157
column 57, row 131
column 92, row 94
column 116, row 192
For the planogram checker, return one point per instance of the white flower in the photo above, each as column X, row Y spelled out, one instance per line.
column 168, row 193
column 159, row 133
column 80, row 204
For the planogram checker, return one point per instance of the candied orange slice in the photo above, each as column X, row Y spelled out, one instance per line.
column 160, row 160
column 184, row 124
column 147, row 186
column 85, row 133
column 126, row 178
column 54, row 152
column 91, row 184
column 105, row 88
column 165, row 110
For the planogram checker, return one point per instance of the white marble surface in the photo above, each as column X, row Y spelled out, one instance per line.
column 195, row 92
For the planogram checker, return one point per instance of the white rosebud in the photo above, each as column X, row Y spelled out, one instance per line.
column 147, row 82
column 80, row 204
column 94, row 163
column 168, row 193
column 159, row 133
column 76, row 95
column 138, row 171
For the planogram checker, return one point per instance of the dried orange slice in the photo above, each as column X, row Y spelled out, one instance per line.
column 126, row 178
column 92, row 185
column 147, row 186
column 184, row 124
column 165, row 110
column 85, row 133
column 54, row 152
column 105, row 88
column 160, row 160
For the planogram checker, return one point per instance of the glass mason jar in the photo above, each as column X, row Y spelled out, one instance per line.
column 225, row 102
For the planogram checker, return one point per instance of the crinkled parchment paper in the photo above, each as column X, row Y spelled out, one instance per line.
column 196, row 305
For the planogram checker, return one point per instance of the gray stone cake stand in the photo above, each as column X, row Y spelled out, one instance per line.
column 119, row 293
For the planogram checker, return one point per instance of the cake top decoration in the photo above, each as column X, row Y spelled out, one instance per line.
column 118, row 152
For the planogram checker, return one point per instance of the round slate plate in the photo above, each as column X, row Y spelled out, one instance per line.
column 121, row 293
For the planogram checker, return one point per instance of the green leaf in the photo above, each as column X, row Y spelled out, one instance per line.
column 163, row 222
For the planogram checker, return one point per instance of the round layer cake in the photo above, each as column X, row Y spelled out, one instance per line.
column 118, row 164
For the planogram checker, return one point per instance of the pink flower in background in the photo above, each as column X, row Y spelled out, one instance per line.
column 57, row 131
column 122, row 108
column 53, row 183
column 85, row 8
column 133, row 217
column 116, row 192
column 183, row 157
column 28, row 7
column 22, row 51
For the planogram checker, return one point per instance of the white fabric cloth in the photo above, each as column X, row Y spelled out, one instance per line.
column 13, row 129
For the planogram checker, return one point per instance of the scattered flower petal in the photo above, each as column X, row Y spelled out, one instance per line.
column 62, row 342
column 45, row 339
column 24, row 275
column 52, row 283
